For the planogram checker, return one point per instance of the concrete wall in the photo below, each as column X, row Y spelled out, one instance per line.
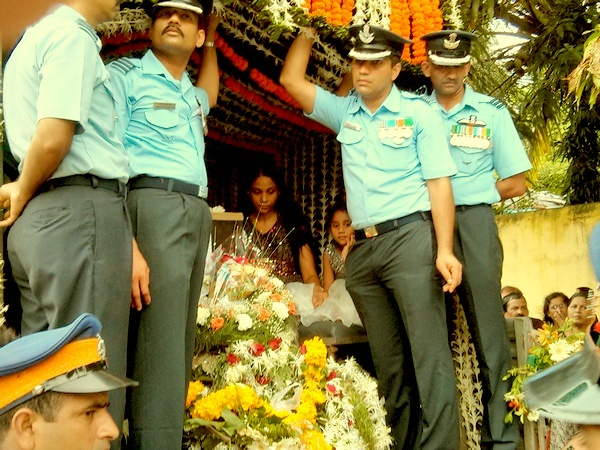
column 547, row 251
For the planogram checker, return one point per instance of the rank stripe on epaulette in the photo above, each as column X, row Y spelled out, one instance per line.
column 427, row 98
column 123, row 64
column 497, row 103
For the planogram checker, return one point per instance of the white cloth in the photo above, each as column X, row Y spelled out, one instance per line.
column 337, row 307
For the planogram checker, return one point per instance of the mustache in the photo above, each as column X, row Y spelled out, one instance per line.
column 173, row 27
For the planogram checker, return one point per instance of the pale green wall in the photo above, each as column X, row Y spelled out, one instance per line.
column 547, row 251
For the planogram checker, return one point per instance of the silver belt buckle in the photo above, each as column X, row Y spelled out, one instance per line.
column 371, row 231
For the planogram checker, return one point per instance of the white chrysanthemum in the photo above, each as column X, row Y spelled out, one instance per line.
column 244, row 322
column 276, row 282
column 203, row 315
column 280, row 310
column 263, row 296
column 560, row 350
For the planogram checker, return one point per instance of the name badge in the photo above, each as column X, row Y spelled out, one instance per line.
column 352, row 126
column 163, row 105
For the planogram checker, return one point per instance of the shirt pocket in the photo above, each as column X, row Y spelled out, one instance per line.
column 398, row 156
column 162, row 118
column 470, row 160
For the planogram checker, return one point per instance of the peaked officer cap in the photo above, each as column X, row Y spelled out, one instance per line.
column 70, row 359
column 449, row 47
column 373, row 43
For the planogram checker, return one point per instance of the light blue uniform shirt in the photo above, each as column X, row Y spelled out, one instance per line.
column 56, row 72
column 481, row 115
column 159, row 120
column 385, row 176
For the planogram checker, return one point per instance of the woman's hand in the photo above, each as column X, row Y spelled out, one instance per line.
column 319, row 296
column 558, row 317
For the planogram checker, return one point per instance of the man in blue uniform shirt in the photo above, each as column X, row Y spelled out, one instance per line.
column 483, row 141
column 161, row 119
column 396, row 166
column 70, row 245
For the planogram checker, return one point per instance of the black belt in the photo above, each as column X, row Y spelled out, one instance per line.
column 465, row 207
column 84, row 180
column 166, row 184
column 384, row 227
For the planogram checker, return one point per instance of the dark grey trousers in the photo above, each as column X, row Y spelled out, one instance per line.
column 392, row 281
column 70, row 253
column 172, row 231
column 477, row 246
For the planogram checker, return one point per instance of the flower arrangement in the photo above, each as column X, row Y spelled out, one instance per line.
column 254, row 386
column 552, row 345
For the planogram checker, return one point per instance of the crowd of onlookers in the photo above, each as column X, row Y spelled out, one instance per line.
column 556, row 308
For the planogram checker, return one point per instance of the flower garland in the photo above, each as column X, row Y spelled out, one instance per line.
column 260, row 101
column 400, row 22
column 336, row 12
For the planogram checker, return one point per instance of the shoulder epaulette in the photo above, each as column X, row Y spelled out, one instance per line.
column 408, row 94
column 496, row 103
column 123, row 64
column 427, row 99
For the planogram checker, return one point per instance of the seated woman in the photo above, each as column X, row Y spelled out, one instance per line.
column 555, row 308
column 280, row 235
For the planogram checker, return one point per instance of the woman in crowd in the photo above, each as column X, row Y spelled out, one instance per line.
column 580, row 308
column 555, row 308
column 279, row 234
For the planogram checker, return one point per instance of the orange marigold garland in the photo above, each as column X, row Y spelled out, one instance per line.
column 336, row 12
column 400, row 22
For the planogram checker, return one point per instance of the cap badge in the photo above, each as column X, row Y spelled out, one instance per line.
column 451, row 43
column 366, row 36
column 101, row 348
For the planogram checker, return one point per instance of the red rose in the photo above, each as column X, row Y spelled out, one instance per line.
column 262, row 380
column 331, row 375
column 232, row 359
column 275, row 343
column 331, row 388
column 257, row 349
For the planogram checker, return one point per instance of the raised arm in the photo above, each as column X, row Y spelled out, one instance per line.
column 442, row 212
column 208, row 74
column 293, row 74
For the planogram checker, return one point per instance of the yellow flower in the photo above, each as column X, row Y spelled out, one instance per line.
column 314, row 440
column 194, row 390
column 316, row 352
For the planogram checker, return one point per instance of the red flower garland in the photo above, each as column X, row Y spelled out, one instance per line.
column 260, row 101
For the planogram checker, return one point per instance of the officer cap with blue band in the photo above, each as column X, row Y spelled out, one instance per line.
column 70, row 359
column 372, row 43
column 449, row 47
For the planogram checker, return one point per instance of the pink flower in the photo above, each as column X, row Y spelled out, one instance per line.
column 331, row 388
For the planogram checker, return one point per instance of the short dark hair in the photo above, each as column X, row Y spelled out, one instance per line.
column 511, row 296
column 47, row 405
column 547, row 301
